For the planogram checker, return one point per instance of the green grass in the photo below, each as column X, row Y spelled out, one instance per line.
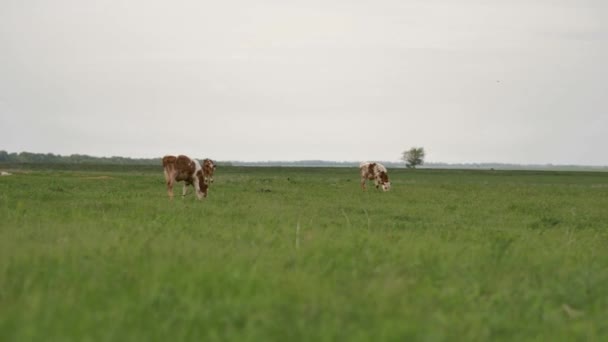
column 446, row 255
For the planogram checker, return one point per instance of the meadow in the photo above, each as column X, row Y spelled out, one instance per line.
column 302, row 254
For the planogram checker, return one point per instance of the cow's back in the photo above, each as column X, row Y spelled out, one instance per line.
column 380, row 168
column 184, row 168
column 367, row 170
column 180, row 168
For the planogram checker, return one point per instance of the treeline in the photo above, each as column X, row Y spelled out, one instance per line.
column 431, row 165
column 505, row 166
column 83, row 159
column 297, row 163
column 50, row 158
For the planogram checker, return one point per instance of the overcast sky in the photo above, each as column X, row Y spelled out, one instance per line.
column 470, row 81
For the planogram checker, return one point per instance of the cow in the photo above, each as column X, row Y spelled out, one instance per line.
column 376, row 172
column 182, row 168
column 208, row 170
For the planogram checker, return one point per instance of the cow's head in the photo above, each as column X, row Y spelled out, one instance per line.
column 386, row 184
column 209, row 167
column 203, row 184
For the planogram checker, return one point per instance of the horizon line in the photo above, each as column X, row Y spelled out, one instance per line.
column 268, row 161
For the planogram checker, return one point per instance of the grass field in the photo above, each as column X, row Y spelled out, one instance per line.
column 296, row 254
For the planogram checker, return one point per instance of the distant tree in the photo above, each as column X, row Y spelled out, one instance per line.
column 28, row 157
column 413, row 157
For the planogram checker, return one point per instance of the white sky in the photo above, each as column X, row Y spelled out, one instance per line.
column 470, row 81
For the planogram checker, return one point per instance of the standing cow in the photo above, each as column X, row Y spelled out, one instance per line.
column 182, row 168
column 376, row 172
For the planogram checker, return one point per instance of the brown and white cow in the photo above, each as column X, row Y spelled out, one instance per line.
column 182, row 168
column 208, row 170
column 376, row 172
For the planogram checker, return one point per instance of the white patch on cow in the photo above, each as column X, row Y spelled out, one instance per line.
column 195, row 182
column 197, row 166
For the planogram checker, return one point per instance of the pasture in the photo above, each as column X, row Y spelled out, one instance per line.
column 302, row 254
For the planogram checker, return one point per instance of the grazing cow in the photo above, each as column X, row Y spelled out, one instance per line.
column 376, row 172
column 182, row 168
column 208, row 170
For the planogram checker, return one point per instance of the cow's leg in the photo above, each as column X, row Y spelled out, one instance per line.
column 363, row 181
column 197, row 188
column 185, row 190
column 170, row 188
column 167, row 180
